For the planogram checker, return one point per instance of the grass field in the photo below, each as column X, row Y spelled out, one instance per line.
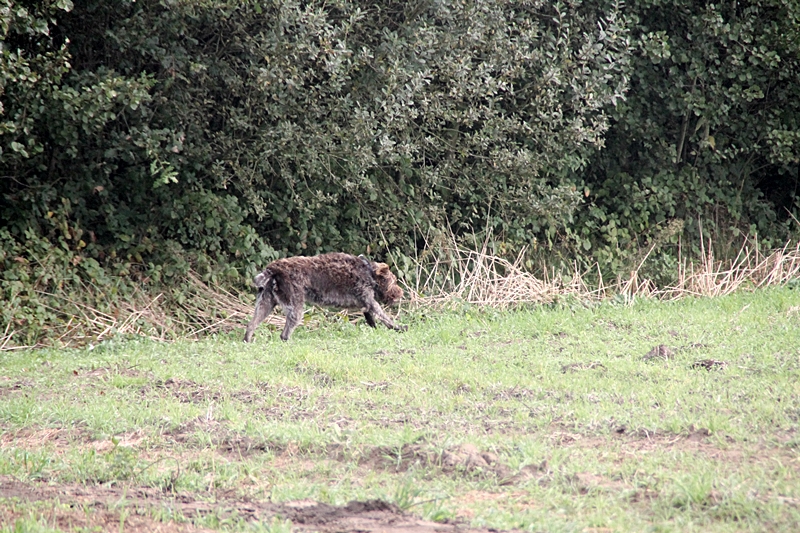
column 546, row 419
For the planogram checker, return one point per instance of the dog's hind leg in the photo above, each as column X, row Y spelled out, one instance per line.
column 294, row 314
column 369, row 318
column 264, row 306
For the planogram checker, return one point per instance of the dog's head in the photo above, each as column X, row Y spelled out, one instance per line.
column 386, row 289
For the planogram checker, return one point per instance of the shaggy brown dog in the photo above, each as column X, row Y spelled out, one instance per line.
column 335, row 279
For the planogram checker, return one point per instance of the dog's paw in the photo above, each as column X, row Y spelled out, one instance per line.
column 402, row 329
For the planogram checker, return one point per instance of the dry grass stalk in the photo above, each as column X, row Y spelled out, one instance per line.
column 446, row 274
column 203, row 311
column 455, row 274
column 712, row 277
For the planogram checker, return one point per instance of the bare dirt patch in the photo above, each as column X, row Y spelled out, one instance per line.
column 272, row 401
column 576, row 367
column 513, row 393
column 464, row 460
column 588, row 481
column 185, row 390
column 9, row 387
column 105, row 371
column 38, row 438
column 468, row 502
column 74, row 500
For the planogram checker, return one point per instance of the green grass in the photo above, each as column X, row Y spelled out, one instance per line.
column 577, row 431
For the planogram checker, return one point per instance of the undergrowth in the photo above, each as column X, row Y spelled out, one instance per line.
column 54, row 296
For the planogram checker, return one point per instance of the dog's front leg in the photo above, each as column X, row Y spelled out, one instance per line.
column 375, row 311
column 294, row 314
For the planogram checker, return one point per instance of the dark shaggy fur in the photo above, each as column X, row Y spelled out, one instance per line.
column 335, row 279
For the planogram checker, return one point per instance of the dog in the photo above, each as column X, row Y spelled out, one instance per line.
column 333, row 279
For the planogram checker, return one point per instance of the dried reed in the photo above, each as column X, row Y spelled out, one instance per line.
column 454, row 273
column 202, row 311
column 749, row 269
column 446, row 274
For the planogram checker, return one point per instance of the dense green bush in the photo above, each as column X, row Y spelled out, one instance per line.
column 146, row 138
column 346, row 125
column 321, row 125
column 709, row 133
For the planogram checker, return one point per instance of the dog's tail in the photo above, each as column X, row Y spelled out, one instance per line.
column 264, row 280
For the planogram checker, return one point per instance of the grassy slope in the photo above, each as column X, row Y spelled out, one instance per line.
column 576, row 430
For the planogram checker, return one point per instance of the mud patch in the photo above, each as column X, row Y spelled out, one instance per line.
column 393, row 356
column 468, row 503
column 660, row 353
column 188, row 391
column 466, row 459
column 319, row 377
column 513, row 393
column 576, row 367
column 231, row 444
column 41, row 438
column 185, row 390
column 357, row 516
column 64, row 518
column 11, row 388
column 105, row 371
column 240, row 446
column 588, row 481
column 709, row 364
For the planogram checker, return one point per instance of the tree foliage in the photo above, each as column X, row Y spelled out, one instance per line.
column 139, row 138
column 347, row 124
column 708, row 133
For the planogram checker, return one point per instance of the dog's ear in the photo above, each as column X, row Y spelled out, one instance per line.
column 381, row 269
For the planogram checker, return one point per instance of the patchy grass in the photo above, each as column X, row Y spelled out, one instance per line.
column 549, row 419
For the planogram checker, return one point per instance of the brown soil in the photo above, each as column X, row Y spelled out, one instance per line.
column 74, row 506
column 103, row 507
column 465, row 459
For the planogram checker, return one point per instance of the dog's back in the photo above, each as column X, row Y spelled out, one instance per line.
column 335, row 279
